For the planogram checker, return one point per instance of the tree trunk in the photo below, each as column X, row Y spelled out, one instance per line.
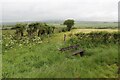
column 21, row 33
column 38, row 33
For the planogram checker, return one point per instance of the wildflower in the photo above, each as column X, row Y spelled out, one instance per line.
column 5, row 51
column 6, row 45
column 20, row 44
column 40, row 42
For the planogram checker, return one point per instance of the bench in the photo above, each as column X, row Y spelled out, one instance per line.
column 68, row 48
column 79, row 52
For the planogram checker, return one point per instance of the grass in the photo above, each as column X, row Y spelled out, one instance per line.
column 44, row 60
column 90, row 25
column 0, row 66
column 96, row 25
column 91, row 30
column 0, row 54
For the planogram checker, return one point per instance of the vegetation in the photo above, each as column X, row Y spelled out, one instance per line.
column 95, row 38
column 19, row 29
column 69, row 24
column 89, row 25
column 38, row 56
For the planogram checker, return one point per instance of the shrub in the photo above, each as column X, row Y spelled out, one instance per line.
column 95, row 38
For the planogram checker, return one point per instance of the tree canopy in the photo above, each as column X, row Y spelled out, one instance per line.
column 69, row 24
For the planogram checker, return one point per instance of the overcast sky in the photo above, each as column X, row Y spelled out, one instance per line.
column 41, row 10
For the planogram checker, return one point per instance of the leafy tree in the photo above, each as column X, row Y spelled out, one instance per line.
column 32, row 28
column 20, row 29
column 48, row 29
column 69, row 24
column 53, row 28
column 41, row 29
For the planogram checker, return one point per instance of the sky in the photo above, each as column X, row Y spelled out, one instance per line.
column 45, row 10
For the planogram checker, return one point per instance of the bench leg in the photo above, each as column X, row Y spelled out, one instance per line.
column 81, row 54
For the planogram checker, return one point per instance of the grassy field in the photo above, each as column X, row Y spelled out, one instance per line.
column 45, row 60
column 0, row 66
column 0, row 54
column 90, row 25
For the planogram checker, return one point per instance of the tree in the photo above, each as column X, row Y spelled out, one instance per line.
column 41, row 29
column 20, row 29
column 32, row 28
column 53, row 28
column 69, row 24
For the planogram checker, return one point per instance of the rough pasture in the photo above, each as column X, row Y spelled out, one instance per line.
column 33, row 60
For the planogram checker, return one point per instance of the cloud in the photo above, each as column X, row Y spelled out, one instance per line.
column 38, row 10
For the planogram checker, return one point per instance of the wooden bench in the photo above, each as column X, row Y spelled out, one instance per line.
column 68, row 48
column 80, row 52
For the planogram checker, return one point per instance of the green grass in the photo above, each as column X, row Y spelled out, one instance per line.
column 89, row 25
column 44, row 60
column 96, row 25
column 0, row 54
column 0, row 66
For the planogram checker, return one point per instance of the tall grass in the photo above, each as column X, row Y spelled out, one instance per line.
column 44, row 60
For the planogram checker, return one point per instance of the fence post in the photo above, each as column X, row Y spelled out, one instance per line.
column 64, row 38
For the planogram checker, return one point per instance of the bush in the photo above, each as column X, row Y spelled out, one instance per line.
column 95, row 38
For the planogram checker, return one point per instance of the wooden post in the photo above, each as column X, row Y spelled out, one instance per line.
column 64, row 38
column 48, row 38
